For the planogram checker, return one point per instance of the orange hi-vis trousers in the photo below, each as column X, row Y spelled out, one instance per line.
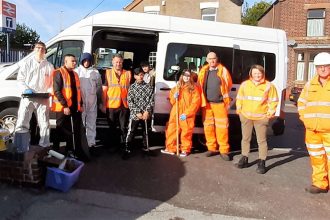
column 185, row 134
column 318, row 146
column 215, row 118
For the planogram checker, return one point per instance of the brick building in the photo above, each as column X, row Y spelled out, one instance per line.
column 214, row 10
column 307, row 24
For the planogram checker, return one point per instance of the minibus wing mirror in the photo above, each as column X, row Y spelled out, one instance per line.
column 174, row 71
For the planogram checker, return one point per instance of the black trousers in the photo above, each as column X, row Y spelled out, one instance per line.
column 117, row 117
column 64, row 133
column 132, row 128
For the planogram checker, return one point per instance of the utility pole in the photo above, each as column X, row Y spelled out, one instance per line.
column 8, row 47
column 61, row 27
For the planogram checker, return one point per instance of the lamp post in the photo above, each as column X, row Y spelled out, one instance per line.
column 61, row 13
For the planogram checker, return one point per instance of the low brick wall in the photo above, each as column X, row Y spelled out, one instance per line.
column 22, row 168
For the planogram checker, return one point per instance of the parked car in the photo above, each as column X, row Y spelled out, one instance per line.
column 296, row 90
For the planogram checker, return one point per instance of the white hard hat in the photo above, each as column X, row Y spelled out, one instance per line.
column 322, row 59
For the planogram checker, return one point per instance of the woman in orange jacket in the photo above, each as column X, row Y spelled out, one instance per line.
column 256, row 103
column 187, row 95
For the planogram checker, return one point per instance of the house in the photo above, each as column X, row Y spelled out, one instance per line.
column 213, row 10
column 307, row 24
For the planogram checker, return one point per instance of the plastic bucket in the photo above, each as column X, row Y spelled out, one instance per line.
column 22, row 141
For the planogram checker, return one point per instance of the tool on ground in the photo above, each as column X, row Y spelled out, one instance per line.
column 60, row 157
column 73, row 139
column 147, row 136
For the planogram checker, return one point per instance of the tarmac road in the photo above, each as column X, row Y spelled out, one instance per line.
column 195, row 187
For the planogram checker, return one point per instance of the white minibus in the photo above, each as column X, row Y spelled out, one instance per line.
column 164, row 41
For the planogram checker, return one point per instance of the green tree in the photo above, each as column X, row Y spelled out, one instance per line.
column 22, row 35
column 251, row 15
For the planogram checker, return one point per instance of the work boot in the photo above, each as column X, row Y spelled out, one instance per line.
column 225, row 157
column 261, row 167
column 242, row 163
column 316, row 190
column 211, row 153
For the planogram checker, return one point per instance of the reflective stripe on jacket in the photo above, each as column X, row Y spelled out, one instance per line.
column 256, row 101
column 226, row 83
column 66, row 91
column 117, row 89
column 314, row 105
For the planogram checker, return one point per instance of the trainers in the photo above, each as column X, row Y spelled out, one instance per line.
column 184, row 154
column 211, row 153
column 316, row 190
column 261, row 167
column 165, row 151
column 242, row 163
column 225, row 157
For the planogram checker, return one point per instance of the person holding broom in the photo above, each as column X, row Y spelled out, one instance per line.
column 185, row 99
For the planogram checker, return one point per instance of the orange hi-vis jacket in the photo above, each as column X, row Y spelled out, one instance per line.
column 66, row 91
column 117, row 90
column 188, row 102
column 314, row 105
column 226, row 83
column 256, row 101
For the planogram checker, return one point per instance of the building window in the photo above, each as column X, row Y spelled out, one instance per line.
column 209, row 10
column 300, row 66
column 305, row 65
column 152, row 10
column 209, row 14
column 152, row 59
column 315, row 22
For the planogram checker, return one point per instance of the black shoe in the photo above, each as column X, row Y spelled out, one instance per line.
column 243, row 162
column 211, row 153
column 95, row 151
column 316, row 190
column 126, row 155
column 149, row 153
column 261, row 167
column 225, row 157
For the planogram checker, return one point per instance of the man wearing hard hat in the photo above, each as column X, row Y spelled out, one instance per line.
column 314, row 111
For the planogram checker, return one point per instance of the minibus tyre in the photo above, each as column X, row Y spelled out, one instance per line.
column 9, row 116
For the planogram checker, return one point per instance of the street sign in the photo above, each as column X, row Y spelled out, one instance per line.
column 8, row 17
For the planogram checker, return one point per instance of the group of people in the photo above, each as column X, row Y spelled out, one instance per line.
column 77, row 93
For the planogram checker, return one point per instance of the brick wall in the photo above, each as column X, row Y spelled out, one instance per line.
column 22, row 168
column 291, row 16
column 227, row 11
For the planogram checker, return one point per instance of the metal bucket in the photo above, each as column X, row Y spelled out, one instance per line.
column 22, row 141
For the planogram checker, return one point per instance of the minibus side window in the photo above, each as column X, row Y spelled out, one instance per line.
column 56, row 51
column 245, row 59
column 194, row 57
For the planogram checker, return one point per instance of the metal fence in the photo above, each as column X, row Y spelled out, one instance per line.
column 13, row 55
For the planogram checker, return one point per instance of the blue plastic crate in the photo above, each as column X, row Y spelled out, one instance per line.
column 61, row 180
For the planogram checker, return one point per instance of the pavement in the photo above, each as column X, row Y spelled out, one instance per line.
column 194, row 187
